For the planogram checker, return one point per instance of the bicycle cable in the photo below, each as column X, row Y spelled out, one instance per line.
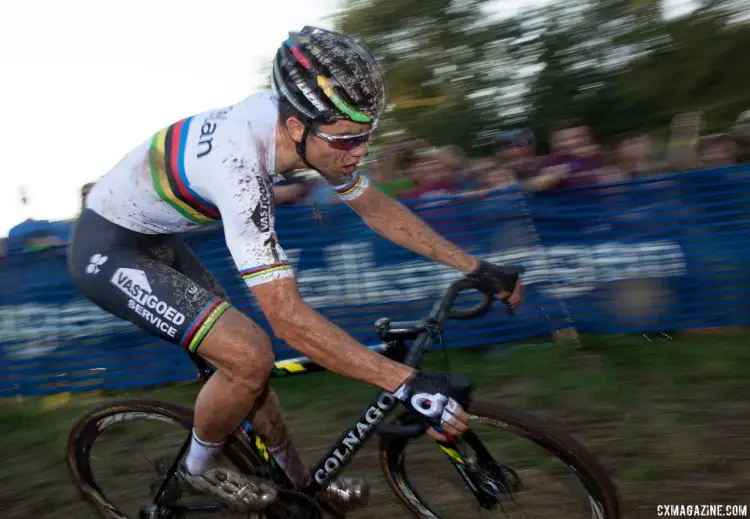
column 446, row 361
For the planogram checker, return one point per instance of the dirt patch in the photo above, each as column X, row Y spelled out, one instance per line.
column 669, row 428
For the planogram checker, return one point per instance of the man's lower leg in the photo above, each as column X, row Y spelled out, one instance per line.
column 243, row 356
column 222, row 404
column 342, row 494
column 268, row 420
column 220, row 408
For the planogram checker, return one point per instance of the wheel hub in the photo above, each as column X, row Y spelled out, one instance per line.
column 496, row 479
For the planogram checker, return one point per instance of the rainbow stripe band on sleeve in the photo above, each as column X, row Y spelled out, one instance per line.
column 265, row 269
column 203, row 322
column 167, row 158
column 349, row 187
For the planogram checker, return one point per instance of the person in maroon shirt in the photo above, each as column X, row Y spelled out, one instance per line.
column 574, row 162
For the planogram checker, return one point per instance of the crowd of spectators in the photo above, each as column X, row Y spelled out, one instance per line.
column 413, row 170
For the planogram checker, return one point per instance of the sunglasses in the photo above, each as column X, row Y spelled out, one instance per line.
column 345, row 142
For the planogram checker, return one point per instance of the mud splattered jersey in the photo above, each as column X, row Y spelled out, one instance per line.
column 217, row 165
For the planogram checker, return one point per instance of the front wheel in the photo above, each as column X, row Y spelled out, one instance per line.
column 516, row 465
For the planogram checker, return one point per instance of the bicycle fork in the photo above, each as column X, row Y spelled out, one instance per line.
column 487, row 491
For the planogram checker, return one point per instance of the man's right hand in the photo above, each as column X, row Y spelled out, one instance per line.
column 430, row 396
column 503, row 280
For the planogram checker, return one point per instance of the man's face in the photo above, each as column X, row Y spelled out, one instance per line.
column 719, row 154
column 572, row 140
column 517, row 157
column 741, row 131
column 428, row 170
column 335, row 149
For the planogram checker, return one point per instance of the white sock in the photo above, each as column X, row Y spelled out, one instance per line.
column 202, row 455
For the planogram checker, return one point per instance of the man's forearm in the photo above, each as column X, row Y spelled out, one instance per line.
column 398, row 224
column 331, row 347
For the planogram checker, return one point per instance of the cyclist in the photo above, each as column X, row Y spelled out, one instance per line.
column 125, row 255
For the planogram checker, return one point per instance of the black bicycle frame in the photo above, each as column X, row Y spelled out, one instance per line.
column 351, row 441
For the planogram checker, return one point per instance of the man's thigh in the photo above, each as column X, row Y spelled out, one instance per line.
column 151, row 295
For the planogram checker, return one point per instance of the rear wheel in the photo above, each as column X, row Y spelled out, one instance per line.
column 523, row 466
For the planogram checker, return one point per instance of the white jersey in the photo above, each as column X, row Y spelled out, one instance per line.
column 217, row 165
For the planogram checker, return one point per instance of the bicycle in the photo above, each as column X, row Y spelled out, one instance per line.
column 492, row 483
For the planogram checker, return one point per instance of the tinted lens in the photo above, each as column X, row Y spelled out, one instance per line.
column 349, row 144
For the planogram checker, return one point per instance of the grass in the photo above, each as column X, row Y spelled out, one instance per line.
column 668, row 419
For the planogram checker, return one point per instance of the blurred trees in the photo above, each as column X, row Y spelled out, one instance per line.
column 458, row 69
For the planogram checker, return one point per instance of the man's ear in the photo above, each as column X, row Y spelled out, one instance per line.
column 295, row 127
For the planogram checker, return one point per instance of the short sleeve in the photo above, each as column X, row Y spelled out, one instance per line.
column 351, row 187
column 245, row 199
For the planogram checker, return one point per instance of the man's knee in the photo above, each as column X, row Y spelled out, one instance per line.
column 252, row 364
column 240, row 349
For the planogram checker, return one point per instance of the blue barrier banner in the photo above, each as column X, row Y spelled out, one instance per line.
column 664, row 253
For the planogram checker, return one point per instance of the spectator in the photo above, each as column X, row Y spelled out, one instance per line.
column 454, row 159
column 85, row 190
column 31, row 234
column 516, row 149
column 491, row 176
column 575, row 160
column 740, row 133
column 634, row 156
column 684, row 135
column 391, row 171
column 431, row 178
column 716, row 151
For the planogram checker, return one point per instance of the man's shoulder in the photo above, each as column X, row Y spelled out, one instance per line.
column 236, row 138
column 261, row 105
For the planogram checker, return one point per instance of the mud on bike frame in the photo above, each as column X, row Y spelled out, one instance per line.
column 351, row 441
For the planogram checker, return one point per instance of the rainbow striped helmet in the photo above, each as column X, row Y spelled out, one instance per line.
column 328, row 76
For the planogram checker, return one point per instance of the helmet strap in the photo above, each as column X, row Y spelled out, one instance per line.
column 301, row 146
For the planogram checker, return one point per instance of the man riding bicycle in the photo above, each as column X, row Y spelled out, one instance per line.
column 328, row 93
